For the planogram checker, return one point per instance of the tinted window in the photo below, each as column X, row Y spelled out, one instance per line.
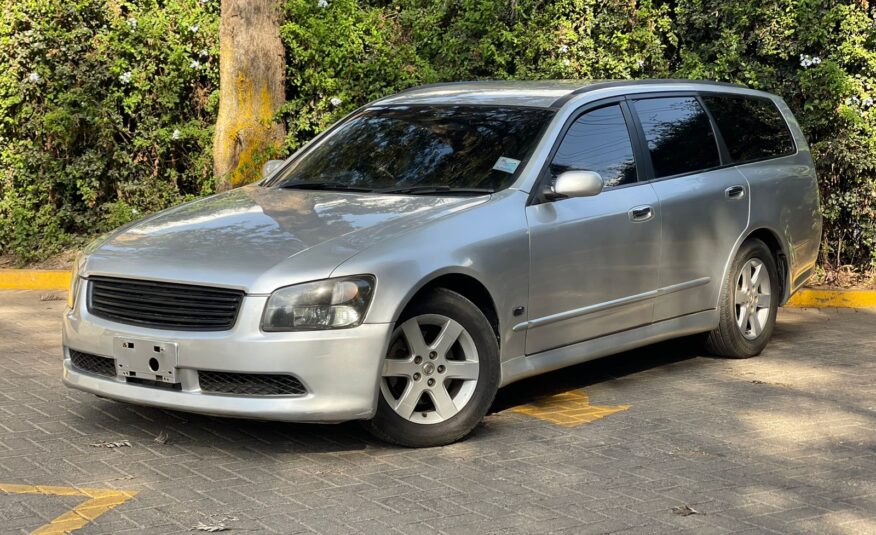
column 752, row 128
column 422, row 146
column 679, row 135
column 598, row 141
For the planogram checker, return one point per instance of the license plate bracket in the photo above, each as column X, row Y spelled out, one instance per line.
column 146, row 359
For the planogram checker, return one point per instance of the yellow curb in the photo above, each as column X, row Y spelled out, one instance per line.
column 34, row 279
column 100, row 501
column 833, row 299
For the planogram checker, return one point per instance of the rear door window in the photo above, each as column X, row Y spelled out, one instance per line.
column 752, row 128
column 679, row 135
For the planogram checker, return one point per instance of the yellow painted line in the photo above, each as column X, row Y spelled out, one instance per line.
column 833, row 299
column 34, row 279
column 568, row 409
column 99, row 502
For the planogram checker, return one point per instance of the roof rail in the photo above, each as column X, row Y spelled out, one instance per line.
column 444, row 84
column 646, row 81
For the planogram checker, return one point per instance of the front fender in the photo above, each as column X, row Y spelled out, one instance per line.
column 489, row 242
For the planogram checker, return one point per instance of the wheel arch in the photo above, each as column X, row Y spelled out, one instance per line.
column 465, row 284
column 777, row 246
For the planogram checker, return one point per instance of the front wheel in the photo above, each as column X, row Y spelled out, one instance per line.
column 749, row 303
column 440, row 374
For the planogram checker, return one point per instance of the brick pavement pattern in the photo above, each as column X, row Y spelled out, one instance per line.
column 785, row 442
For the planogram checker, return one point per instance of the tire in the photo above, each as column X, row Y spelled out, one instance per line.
column 409, row 366
column 747, row 305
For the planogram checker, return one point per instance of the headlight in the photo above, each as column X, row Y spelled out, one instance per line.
column 327, row 304
column 74, row 282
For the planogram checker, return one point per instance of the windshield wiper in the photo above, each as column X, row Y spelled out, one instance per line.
column 445, row 190
column 335, row 186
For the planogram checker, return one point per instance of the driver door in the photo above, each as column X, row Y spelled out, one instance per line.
column 594, row 260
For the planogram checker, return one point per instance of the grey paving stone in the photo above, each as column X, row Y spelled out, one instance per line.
column 785, row 442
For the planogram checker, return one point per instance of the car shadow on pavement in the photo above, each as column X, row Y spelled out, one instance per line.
column 598, row 371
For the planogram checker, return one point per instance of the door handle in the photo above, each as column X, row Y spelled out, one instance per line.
column 735, row 192
column 641, row 213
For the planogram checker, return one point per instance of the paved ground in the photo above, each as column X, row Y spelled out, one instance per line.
column 785, row 442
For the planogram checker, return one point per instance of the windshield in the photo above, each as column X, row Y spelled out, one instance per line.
column 428, row 149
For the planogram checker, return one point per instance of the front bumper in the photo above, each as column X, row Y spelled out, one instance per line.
column 339, row 368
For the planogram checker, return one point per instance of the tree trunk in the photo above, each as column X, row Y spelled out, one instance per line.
column 251, row 65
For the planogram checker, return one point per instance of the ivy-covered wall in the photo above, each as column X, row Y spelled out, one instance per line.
column 107, row 106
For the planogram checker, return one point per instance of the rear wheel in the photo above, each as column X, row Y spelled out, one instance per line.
column 749, row 303
column 440, row 374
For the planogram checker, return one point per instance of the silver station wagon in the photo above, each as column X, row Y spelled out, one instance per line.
column 438, row 244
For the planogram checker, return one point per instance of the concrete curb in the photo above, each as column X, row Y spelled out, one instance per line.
column 59, row 279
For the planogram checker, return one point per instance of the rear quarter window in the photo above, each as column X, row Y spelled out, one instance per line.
column 752, row 128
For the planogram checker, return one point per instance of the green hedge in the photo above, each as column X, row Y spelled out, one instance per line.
column 106, row 113
column 106, row 108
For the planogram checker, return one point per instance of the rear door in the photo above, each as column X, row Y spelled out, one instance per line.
column 703, row 201
column 593, row 261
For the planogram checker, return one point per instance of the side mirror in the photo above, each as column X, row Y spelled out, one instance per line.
column 271, row 166
column 575, row 184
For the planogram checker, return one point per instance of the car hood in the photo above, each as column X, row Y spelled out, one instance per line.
column 257, row 238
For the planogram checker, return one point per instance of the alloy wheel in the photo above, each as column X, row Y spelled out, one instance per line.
column 752, row 298
column 431, row 369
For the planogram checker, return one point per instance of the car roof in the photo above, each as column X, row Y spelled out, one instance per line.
column 541, row 93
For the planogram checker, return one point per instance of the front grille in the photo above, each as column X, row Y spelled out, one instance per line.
column 250, row 384
column 89, row 363
column 179, row 307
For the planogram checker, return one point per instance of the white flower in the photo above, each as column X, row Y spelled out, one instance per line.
column 868, row 102
column 563, row 49
column 195, row 64
column 322, row 3
column 204, row 52
column 194, row 28
column 640, row 63
column 335, row 101
column 566, row 62
column 33, row 77
column 807, row 61
column 126, row 77
column 175, row 134
column 135, row 211
column 132, row 22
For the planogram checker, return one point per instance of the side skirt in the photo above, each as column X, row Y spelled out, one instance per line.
column 525, row 366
